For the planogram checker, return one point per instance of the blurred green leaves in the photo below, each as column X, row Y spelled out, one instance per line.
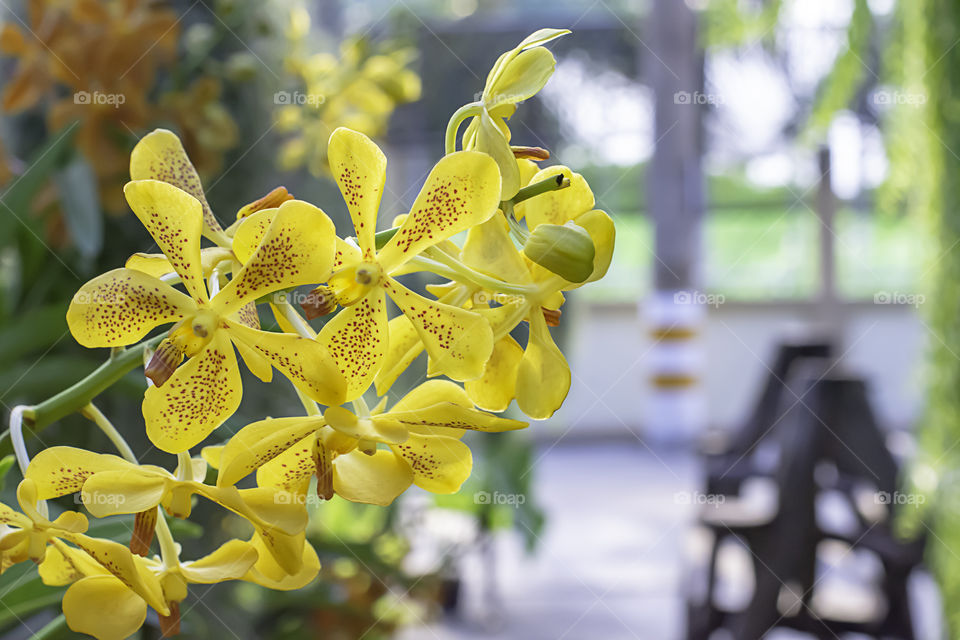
column 77, row 187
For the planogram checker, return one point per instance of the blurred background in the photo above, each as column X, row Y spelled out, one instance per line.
column 761, row 435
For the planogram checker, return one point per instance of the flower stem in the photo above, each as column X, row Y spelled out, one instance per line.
column 93, row 413
column 360, row 408
column 304, row 330
column 20, row 449
column 294, row 318
column 308, row 403
column 453, row 125
column 552, row 183
column 477, row 278
column 74, row 398
column 383, row 237
column 184, row 466
column 168, row 548
column 16, row 438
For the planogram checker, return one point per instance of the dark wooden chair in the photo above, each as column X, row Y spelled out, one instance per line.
column 729, row 467
column 832, row 427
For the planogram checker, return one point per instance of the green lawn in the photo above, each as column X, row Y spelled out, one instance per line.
column 762, row 254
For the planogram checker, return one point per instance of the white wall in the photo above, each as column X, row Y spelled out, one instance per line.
column 608, row 343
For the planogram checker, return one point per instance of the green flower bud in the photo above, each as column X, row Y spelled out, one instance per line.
column 565, row 250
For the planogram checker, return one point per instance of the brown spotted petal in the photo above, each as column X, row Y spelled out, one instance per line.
column 360, row 169
column 305, row 362
column 160, row 156
column 357, row 340
column 260, row 442
column 458, row 341
column 440, row 464
column 462, row 190
column 59, row 471
column 197, row 398
column 297, row 249
column 121, row 306
column 174, row 219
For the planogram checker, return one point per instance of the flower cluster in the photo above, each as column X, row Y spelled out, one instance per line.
column 358, row 89
column 106, row 56
column 507, row 239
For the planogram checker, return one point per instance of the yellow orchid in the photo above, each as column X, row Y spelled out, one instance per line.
column 420, row 433
column 206, row 125
column 358, row 89
column 31, row 535
column 101, row 604
column 160, row 155
column 574, row 204
column 26, row 535
column 121, row 306
column 476, row 207
column 517, row 75
column 460, row 191
column 537, row 376
column 110, row 485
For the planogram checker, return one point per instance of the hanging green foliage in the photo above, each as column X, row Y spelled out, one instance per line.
column 922, row 139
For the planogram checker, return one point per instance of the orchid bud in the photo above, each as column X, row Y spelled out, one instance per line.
column 566, row 250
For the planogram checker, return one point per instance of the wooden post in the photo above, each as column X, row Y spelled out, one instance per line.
column 829, row 313
column 676, row 309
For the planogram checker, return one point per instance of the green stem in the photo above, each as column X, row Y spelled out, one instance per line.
column 93, row 413
column 383, row 237
column 552, row 183
column 477, row 278
column 74, row 398
column 453, row 125
column 53, row 629
column 517, row 232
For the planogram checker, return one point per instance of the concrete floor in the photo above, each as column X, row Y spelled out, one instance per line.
column 615, row 557
column 610, row 559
